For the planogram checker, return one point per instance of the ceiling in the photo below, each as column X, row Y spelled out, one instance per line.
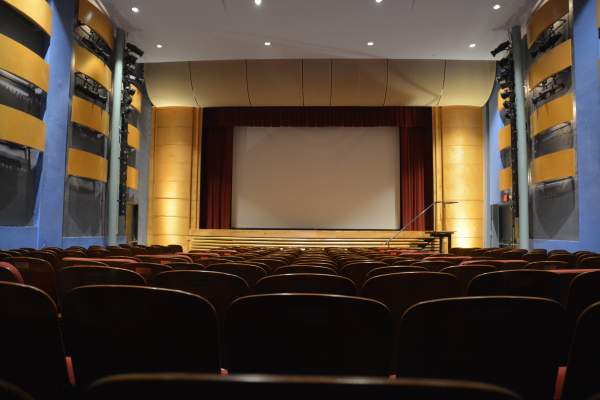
column 194, row 30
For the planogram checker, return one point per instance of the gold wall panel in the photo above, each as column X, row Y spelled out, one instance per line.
column 22, row 128
column 505, row 179
column 358, row 82
column 274, row 82
column 171, row 207
column 89, row 64
column 132, row 178
column 38, row 11
column 463, row 154
column 468, row 83
column 316, row 82
column 87, row 165
column 504, row 137
column 173, row 135
column 169, row 85
column 170, row 190
column 24, row 63
column 136, row 101
column 133, row 137
column 171, row 225
column 179, row 172
column 463, row 182
column 554, row 166
column 88, row 114
column 552, row 113
column 414, row 82
column 173, row 154
column 544, row 17
column 174, row 117
column 165, row 240
column 220, row 83
column 97, row 20
column 550, row 63
column 465, row 227
column 469, row 209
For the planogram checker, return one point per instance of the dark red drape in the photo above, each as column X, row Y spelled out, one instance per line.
column 416, row 153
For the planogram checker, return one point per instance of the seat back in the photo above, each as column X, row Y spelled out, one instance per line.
column 219, row 288
column 116, row 329
column 581, row 380
column 33, row 356
column 179, row 266
column 36, row 272
column 584, row 291
column 147, row 269
column 311, row 334
column 433, row 266
column 250, row 273
column 357, row 270
column 9, row 391
column 394, row 269
column 306, row 283
column 71, row 277
column 269, row 387
column 466, row 273
column 531, row 283
column 9, row 273
column 508, row 341
column 304, row 269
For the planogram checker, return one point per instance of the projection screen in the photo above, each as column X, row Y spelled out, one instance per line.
column 316, row 178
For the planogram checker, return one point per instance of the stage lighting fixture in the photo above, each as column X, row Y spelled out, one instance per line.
column 134, row 49
column 129, row 69
column 505, row 83
column 130, row 59
column 502, row 47
column 508, row 104
column 505, row 94
column 129, row 90
column 551, row 41
column 506, row 62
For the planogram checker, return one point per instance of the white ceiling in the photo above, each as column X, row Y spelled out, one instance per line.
column 237, row 29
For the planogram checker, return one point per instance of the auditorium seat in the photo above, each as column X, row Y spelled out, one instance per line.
column 118, row 251
column 499, row 264
column 433, row 266
column 548, row 265
column 466, row 273
column 146, row 269
column 272, row 263
column 33, row 356
column 219, row 288
column 581, row 380
column 514, row 254
column 49, row 256
column 508, row 341
column 583, row 292
column 269, row 387
column 306, row 283
column 250, row 273
column 309, row 334
column 98, row 253
column 36, row 272
column 590, row 262
column 532, row 283
column 306, row 269
column 400, row 291
column 71, row 277
column 9, row 273
column 568, row 258
column 181, row 266
column 111, row 329
column 73, row 261
column 163, row 258
column 396, row 260
column 394, row 269
column 8, row 391
column 358, row 270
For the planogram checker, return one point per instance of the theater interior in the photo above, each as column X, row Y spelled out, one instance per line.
column 383, row 199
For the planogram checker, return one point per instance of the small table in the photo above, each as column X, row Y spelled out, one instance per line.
column 441, row 235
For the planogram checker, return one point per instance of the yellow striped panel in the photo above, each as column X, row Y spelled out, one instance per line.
column 24, row 63
column 137, row 99
column 87, row 165
column 132, row 178
column 89, row 64
column 505, row 179
column 550, row 63
column 554, row 166
column 544, row 17
column 133, row 137
column 88, row 114
column 21, row 128
column 504, row 137
column 38, row 11
column 552, row 113
column 89, row 15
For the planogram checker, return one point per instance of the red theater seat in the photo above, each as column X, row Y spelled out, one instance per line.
column 465, row 274
column 250, row 273
column 532, row 283
column 36, row 272
column 306, row 283
column 9, row 273
column 357, row 270
column 71, row 277
column 394, row 269
column 304, row 269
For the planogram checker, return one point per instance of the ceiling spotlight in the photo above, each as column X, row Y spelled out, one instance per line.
column 497, row 6
column 472, row 45
column 159, row 46
column 258, row 2
column 378, row 1
column 370, row 44
column 135, row 9
column 267, row 43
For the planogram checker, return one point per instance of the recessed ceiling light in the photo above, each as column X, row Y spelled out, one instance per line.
column 159, row 46
column 378, row 1
column 472, row 45
column 135, row 9
column 497, row 6
column 267, row 43
column 370, row 44
column 258, row 2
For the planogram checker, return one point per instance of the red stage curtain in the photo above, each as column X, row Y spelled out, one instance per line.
column 416, row 152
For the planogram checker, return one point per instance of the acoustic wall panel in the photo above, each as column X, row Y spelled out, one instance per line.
column 92, row 66
column 38, row 11
column 358, row 82
column 414, row 82
column 274, row 82
column 505, row 181
column 550, row 63
column 133, row 137
column 89, row 15
column 136, row 101
column 544, row 17
column 504, row 137
column 87, row 165
column 169, row 84
column 552, row 113
column 467, row 83
column 220, row 83
column 21, row 128
column 86, row 113
column 554, row 166
column 132, row 178
column 316, row 82
column 24, row 63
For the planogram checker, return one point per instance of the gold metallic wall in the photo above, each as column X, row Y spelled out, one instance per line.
column 174, row 175
column 459, row 173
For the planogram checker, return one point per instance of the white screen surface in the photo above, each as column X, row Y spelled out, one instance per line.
column 316, row 178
